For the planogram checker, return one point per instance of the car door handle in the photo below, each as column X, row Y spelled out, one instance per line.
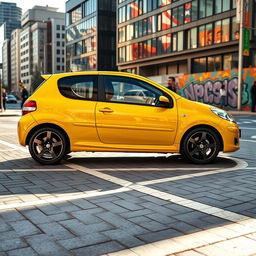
column 106, row 110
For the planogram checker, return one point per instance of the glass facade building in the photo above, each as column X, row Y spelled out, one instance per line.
column 11, row 15
column 160, row 37
column 91, row 35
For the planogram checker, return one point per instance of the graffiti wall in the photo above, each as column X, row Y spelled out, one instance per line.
column 204, row 87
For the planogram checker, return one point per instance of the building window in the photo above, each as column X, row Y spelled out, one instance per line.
column 180, row 41
column 218, row 6
column 188, row 12
column 217, row 32
column 58, row 35
column 202, row 9
column 209, row 34
column 226, row 30
column 201, row 36
column 58, row 27
column 194, row 10
column 214, row 63
column 166, row 20
column 174, row 42
column 235, row 29
column 230, row 61
column 199, row 65
column 209, row 8
column 225, row 5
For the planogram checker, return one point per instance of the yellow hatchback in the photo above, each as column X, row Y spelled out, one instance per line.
column 120, row 112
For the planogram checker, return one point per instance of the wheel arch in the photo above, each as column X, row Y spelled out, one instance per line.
column 204, row 126
column 52, row 126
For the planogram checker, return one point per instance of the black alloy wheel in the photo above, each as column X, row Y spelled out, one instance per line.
column 47, row 145
column 200, row 146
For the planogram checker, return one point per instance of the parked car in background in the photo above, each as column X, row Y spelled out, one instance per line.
column 11, row 99
column 121, row 112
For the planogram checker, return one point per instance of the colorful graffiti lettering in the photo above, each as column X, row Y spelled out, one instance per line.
column 205, row 87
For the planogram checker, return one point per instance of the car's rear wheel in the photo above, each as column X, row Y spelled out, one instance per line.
column 47, row 145
column 200, row 146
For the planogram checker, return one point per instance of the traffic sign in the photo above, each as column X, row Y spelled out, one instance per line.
column 246, row 42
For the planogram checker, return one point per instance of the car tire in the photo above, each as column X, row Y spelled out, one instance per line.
column 200, row 145
column 47, row 145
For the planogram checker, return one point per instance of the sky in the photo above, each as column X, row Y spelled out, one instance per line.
column 28, row 4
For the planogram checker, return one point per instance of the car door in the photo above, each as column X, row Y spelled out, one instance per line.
column 138, row 122
column 78, row 107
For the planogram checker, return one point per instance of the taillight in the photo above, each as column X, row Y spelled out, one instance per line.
column 28, row 106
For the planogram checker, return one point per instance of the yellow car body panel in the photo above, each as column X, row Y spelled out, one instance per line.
column 112, row 126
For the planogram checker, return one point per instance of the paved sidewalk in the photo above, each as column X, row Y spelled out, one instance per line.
column 10, row 112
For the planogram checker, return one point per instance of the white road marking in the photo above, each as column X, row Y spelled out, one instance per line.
column 127, row 185
column 240, row 165
column 253, row 137
column 249, row 140
column 247, row 128
column 63, row 198
column 215, row 211
column 13, row 146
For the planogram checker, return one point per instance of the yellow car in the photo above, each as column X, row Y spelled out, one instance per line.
column 88, row 111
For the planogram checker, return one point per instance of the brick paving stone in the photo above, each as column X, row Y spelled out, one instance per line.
column 99, row 249
column 9, row 235
column 121, row 223
column 11, row 244
column 123, row 238
column 22, row 252
column 86, row 240
column 128, row 205
column 87, row 216
column 160, row 235
column 139, row 219
column 49, row 209
column 36, row 216
column 84, row 204
column 131, row 214
column 184, row 227
column 4, row 226
column 60, row 216
column 156, row 208
column 81, row 229
column 155, row 200
column 12, row 215
column 153, row 226
column 112, row 207
column 44, row 246
column 56, row 231
column 161, row 218
column 24, row 228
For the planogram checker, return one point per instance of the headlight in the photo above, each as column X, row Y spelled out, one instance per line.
column 223, row 114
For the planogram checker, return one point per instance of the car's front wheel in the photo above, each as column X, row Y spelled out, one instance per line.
column 47, row 145
column 200, row 146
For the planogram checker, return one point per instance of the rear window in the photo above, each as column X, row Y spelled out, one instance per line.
column 79, row 87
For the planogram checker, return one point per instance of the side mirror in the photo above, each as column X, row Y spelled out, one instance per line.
column 164, row 101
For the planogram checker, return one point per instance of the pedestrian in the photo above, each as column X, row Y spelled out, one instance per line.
column 223, row 94
column 24, row 93
column 172, row 84
column 253, row 96
column 4, row 96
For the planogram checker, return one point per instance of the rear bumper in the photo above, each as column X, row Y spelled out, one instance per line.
column 25, row 124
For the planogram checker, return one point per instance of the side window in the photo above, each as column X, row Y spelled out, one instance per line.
column 83, row 87
column 129, row 90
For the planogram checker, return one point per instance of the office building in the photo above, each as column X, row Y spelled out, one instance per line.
column 11, row 15
column 6, row 71
column 160, row 37
column 91, row 35
column 42, row 43
column 15, row 59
